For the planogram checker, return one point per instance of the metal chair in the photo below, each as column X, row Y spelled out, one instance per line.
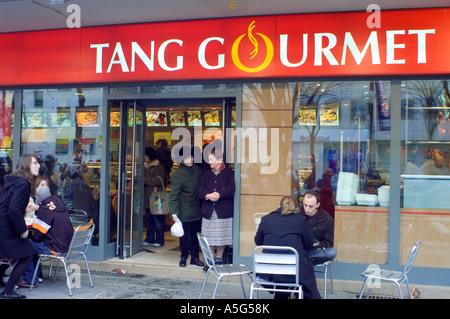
column 279, row 260
column 374, row 274
column 78, row 216
column 326, row 270
column 220, row 271
column 79, row 245
column 257, row 219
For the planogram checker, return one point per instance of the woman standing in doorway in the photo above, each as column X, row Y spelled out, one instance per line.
column 216, row 190
column 14, row 242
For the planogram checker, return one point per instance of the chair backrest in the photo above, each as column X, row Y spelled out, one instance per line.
column 411, row 257
column 206, row 250
column 78, row 215
column 279, row 260
column 81, row 238
column 257, row 218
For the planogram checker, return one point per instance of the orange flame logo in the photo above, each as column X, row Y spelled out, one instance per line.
column 254, row 53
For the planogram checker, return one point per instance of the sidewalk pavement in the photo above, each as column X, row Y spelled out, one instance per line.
column 118, row 280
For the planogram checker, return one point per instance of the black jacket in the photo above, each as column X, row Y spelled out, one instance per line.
column 223, row 183
column 293, row 231
column 53, row 225
column 14, row 198
column 322, row 228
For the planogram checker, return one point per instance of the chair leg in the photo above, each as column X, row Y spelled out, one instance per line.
column 331, row 279
column 242, row 285
column 325, row 272
column 362, row 288
column 215, row 288
column 88, row 270
column 399, row 290
column 35, row 273
column 67, row 278
column 409, row 288
column 204, row 283
column 56, row 271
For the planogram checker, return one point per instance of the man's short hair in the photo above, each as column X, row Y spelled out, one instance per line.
column 313, row 193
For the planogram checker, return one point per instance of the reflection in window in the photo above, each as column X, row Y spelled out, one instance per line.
column 6, row 138
column 62, row 127
column 425, row 160
column 333, row 137
column 343, row 127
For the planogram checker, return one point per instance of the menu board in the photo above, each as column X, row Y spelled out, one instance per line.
column 329, row 116
column 87, row 119
column 212, row 118
column 177, row 118
column 307, row 117
column 61, row 119
column 156, row 118
column 139, row 117
column 33, row 120
column 114, row 120
column 43, row 120
column 194, row 118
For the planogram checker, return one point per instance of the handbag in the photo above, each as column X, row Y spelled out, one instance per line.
column 159, row 201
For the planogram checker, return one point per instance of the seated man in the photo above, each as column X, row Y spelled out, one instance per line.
column 321, row 226
column 51, row 232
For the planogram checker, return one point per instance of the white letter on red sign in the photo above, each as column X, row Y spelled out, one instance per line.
column 99, row 56
column 202, row 58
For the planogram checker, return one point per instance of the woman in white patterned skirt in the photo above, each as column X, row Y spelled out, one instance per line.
column 216, row 190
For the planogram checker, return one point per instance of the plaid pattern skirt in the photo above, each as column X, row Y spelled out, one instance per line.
column 218, row 232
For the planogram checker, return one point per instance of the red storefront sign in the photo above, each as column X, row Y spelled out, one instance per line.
column 408, row 43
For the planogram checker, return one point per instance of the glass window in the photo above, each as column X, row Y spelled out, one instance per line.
column 172, row 89
column 62, row 127
column 330, row 136
column 425, row 160
column 6, row 137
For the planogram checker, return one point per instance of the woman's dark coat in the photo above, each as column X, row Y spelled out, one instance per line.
column 14, row 198
column 293, row 231
column 223, row 183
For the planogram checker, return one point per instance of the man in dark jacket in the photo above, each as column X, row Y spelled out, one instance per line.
column 51, row 232
column 322, row 229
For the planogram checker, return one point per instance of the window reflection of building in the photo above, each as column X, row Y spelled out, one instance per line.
column 62, row 128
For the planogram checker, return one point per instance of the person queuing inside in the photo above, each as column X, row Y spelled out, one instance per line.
column 153, row 179
column 14, row 242
column 284, row 227
column 321, row 226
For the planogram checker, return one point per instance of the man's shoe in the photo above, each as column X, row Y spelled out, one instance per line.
column 183, row 262
column 12, row 295
column 197, row 262
column 218, row 261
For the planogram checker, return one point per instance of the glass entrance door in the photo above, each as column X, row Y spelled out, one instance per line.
column 130, row 184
